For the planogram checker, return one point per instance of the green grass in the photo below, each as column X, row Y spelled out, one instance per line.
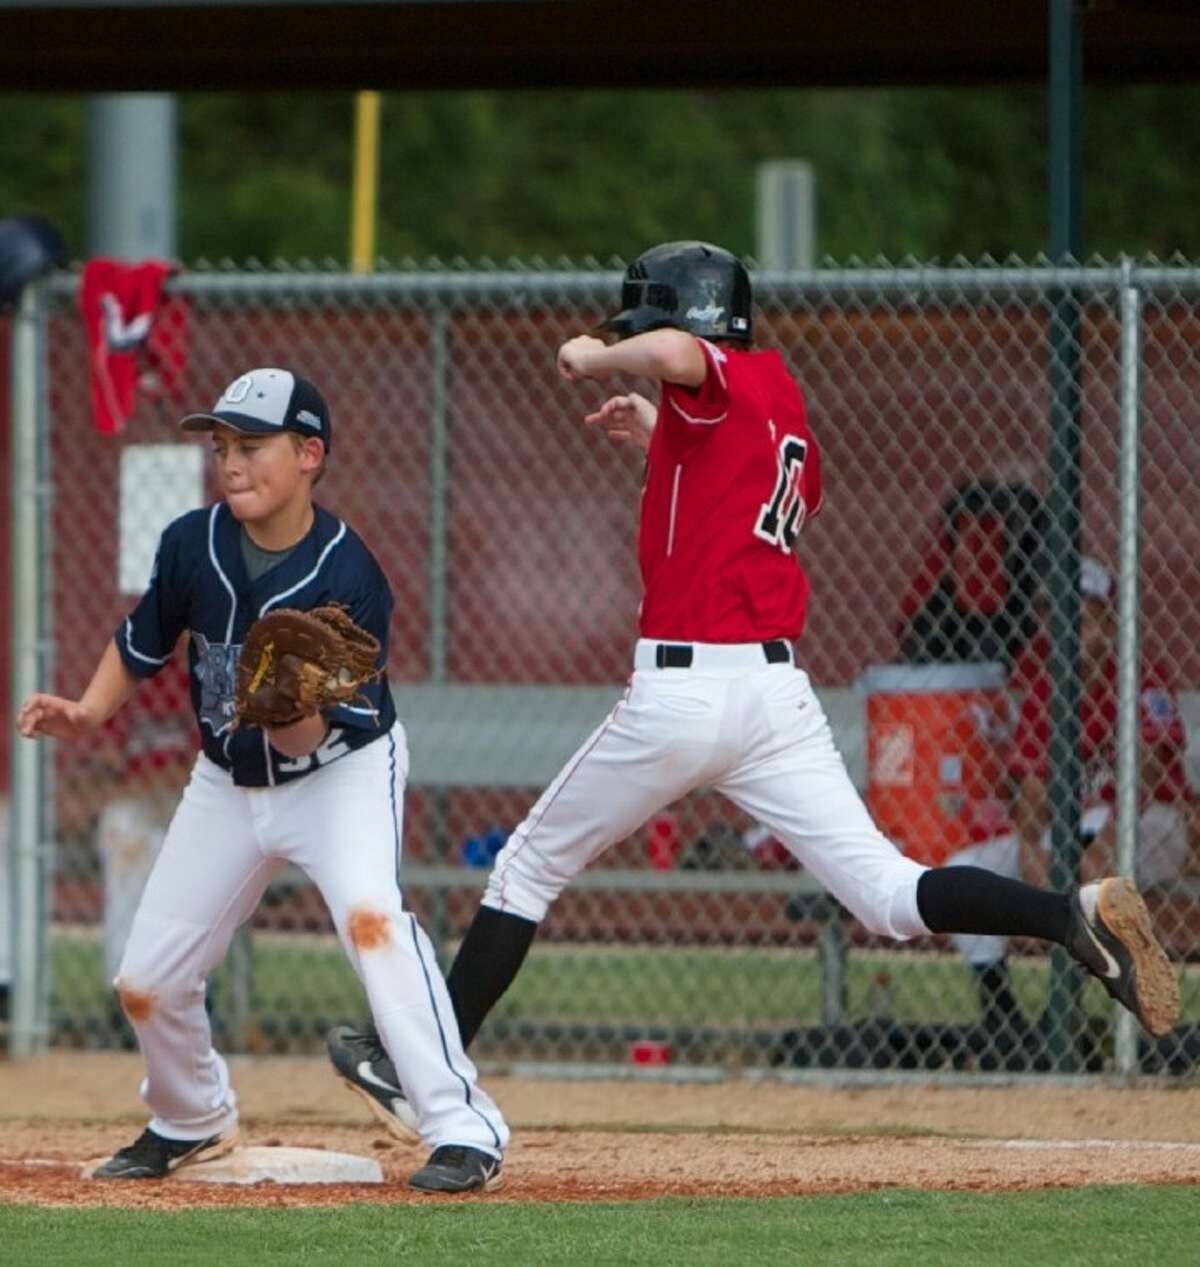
column 1091, row 1227
column 307, row 976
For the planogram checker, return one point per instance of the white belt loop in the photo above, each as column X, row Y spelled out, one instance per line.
column 710, row 657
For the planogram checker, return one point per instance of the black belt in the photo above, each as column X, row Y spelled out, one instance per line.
column 679, row 655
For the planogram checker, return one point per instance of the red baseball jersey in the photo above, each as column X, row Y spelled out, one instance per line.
column 1161, row 728
column 732, row 474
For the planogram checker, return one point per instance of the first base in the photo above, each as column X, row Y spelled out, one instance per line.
column 259, row 1164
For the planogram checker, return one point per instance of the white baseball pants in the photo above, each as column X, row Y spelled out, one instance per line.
column 342, row 825
column 753, row 731
column 129, row 833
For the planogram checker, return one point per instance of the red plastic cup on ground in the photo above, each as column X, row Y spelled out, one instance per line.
column 662, row 844
column 650, row 1052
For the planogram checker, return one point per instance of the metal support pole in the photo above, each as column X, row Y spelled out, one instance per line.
column 786, row 215
column 365, row 195
column 1128, row 655
column 437, row 924
column 28, row 1017
column 1063, row 504
column 439, row 399
column 133, row 160
column 833, row 945
column 237, row 1007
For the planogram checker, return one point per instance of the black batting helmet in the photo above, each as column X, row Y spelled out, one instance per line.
column 691, row 286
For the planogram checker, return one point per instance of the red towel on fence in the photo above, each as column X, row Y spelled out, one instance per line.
column 135, row 338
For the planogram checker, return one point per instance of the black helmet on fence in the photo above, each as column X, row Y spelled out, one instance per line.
column 29, row 247
column 691, row 286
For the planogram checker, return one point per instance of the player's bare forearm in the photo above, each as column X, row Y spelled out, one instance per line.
column 300, row 738
column 1100, row 857
column 671, row 356
column 1030, row 816
column 56, row 717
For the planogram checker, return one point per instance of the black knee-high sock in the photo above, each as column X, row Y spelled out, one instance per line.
column 972, row 900
column 490, row 956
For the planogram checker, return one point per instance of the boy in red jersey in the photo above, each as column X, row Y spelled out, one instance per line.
column 716, row 700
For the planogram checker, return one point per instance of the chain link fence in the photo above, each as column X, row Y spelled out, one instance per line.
column 963, row 414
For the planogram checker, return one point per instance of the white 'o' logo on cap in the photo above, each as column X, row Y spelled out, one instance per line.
column 237, row 391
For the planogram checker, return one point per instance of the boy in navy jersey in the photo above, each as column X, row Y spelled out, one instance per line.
column 325, row 792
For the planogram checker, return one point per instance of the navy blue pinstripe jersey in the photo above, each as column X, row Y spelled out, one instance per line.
column 200, row 584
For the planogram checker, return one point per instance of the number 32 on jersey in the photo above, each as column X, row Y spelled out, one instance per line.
column 780, row 519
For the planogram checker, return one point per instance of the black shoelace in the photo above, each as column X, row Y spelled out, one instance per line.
column 147, row 1147
column 371, row 1045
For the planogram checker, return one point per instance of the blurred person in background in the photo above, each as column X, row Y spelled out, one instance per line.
column 1167, row 819
column 974, row 597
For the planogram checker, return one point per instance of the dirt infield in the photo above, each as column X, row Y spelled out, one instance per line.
column 591, row 1141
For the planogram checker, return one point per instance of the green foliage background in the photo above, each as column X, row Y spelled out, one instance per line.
column 926, row 173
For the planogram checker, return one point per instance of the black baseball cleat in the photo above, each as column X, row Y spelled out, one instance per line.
column 368, row 1071
column 456, row 1168
column 153, row 1156
column 1110, row 934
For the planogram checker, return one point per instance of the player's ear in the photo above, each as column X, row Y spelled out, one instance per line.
column 312, row 454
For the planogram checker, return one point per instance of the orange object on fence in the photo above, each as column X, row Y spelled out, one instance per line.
column 935, row 755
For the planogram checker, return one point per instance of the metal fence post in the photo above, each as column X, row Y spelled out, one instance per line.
column 237, row 1008
column 30, row 987
column 1128, row 674
column 1065, row 782
column 1064, row 500
column 439, row 374
column 437, row 923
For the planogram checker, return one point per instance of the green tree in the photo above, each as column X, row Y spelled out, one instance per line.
column 43, row 162
column 929, row 173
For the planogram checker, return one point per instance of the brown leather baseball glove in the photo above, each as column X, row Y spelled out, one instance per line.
column 295, row 663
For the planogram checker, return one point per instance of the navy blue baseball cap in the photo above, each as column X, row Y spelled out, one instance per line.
column 266, row 401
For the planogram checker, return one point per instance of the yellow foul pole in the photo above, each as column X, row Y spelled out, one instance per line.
column 366, row 181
